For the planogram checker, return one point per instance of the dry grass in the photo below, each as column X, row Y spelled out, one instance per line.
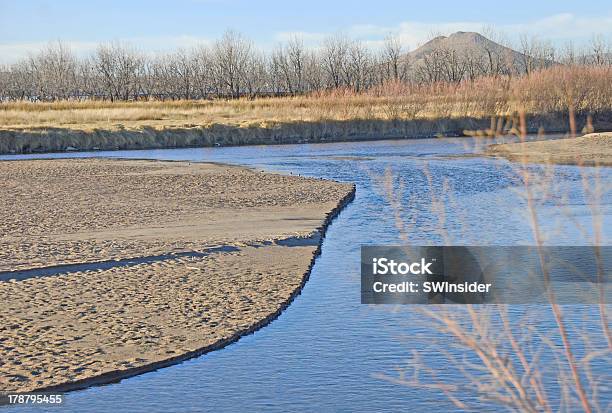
column 554, row 90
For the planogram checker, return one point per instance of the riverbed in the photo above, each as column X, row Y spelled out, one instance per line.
column 326, row 351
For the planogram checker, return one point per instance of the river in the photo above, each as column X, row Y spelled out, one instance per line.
column 325, row 351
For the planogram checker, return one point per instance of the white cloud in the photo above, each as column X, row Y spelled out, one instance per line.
column 556, row 28
column 563, row 27
column 163, row 43
column 309, row 38
column 12, row 52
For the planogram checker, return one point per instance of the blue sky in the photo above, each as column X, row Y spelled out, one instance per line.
column 25, row 26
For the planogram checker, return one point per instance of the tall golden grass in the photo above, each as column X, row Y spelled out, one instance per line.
column 557, row 89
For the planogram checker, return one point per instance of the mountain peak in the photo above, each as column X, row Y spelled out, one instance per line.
column 469, row 36
column 460, row 41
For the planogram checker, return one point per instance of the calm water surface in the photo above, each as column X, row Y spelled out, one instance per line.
column 323, row 352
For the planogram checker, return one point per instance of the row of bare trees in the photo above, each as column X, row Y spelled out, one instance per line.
column 234, row 67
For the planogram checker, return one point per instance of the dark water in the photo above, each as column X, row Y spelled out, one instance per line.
column 324, row 352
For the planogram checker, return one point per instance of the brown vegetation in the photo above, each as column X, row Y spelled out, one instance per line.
column 395, row 109
column 557, row 89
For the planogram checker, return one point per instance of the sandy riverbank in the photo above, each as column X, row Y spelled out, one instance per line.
column 92, row 326
column 594, row 149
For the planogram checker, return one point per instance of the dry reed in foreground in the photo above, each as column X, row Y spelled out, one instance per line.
column 529, row 360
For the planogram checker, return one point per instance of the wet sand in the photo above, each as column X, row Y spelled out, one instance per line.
column 96, row 325
column 594, row 149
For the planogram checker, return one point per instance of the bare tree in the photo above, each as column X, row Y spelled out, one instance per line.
column 358, row 66
column 120, row 67
column 601, row 53
column 431, row 68
column 314, row 74
column 452, row 65
column 284, row 70
column 256, row 74
column 289, row 62
column 231, row 67
column 184, row 69
column 568, row 54
column 535, row 54
column 232, row 54
column 54, row 72
column 204, row 72
column 334, row 56
column 17, row 83
column 392, row 57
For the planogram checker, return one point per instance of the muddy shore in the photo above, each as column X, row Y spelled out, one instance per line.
column 593, row 149
column 216, row 252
